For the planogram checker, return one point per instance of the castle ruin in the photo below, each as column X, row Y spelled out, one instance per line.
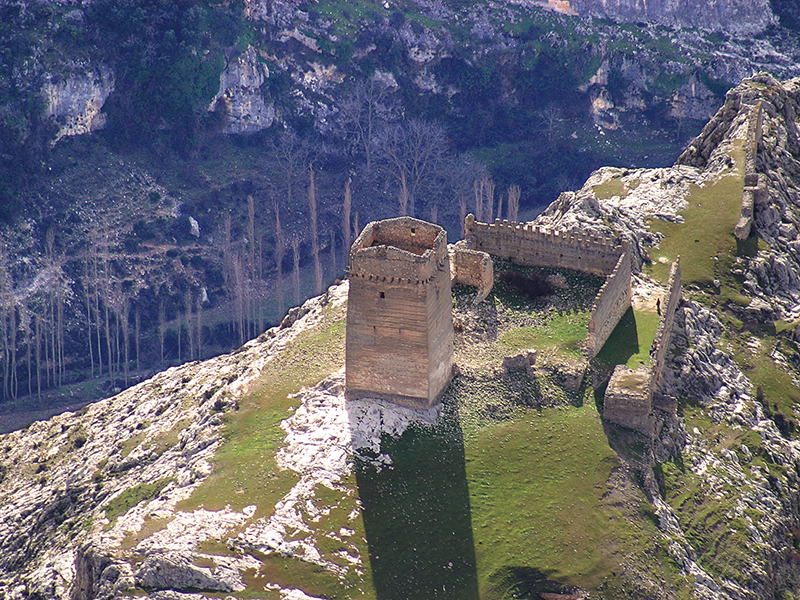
column 528, row 245
column 630, row 394
column 399, row 340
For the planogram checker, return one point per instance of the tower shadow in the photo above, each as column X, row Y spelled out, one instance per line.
column 417, row 515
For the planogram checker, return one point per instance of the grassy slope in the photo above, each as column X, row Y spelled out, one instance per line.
column 502, row 498
column 630, row 342
column 705, row 240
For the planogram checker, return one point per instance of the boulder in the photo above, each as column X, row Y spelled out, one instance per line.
column 174, row 571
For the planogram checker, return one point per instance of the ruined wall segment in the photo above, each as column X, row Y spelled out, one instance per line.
column 663, row 337
column 611, row 302
column 399, row 340
column 629, row 395
column 472, row 267
column 754, row 189
column 529, row 245
column 628, row 401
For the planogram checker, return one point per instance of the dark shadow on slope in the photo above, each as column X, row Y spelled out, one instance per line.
column 621, row 344
column 417, row 515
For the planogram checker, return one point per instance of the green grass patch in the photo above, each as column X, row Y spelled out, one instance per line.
column 535, row 488
column 565, row 332
column 245, row 469
column 710, row 522
column 614, row 186
column 756, row 362
column 705, row 240
column 133, row 496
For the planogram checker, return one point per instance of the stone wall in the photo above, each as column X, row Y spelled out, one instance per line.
column 472, row 267
column 611, row 302
column 399, row 339
column 663, row 338
column 529, row 245
column 629, row 394
column 754, row 189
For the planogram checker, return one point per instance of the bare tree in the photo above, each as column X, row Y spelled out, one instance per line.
column 551, row 118
column 410, row 155
column 462, row 213
column 280, row 253
column 252, row 267
column 334, row 268
column 346, row 208
column 477, row 189
column 369, row 105
column 488, row 200
column 312, row 206
column 295, row 242
column 286, row 159
column 483, row 189
column 514, row 193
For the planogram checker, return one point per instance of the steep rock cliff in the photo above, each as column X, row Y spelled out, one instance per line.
column 240, row 98
column 75, row 99
column 740, row 16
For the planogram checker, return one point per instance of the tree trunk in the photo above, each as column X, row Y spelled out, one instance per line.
column 312, row 205
column 346, row 208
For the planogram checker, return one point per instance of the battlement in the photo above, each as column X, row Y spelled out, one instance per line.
column 402, row 251
column 610, row 303
column 530, row 245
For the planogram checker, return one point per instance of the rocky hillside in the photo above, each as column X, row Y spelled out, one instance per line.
column 249, row 475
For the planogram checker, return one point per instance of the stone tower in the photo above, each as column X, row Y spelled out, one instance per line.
column 399, row 313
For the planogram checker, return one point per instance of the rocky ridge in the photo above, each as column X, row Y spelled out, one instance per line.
column 62, row 537
column 741, row 16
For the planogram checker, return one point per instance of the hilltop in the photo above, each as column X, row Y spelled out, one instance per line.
column 249, row 475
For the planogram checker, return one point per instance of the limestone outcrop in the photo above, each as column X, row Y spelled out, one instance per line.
column 241, row 99
column 75, row 99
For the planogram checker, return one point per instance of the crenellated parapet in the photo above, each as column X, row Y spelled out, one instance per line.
column 531, row 245
column 610, row 303
column 402, row 251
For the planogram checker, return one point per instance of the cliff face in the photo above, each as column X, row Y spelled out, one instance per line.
column 74, row 100
column 242, row 98
column 739, row 16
